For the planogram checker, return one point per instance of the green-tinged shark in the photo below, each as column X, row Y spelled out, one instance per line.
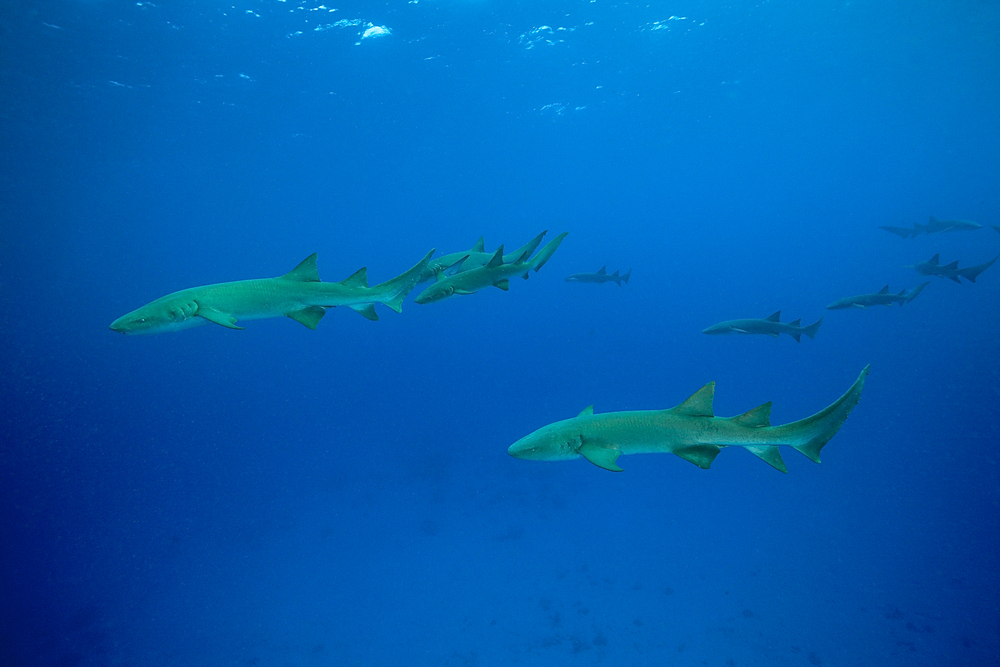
column 456, row 262
column 770, row 326
column 602, row 276
column 298, row 294
column 933, row 226
column 495, row 273
column 691, row 431
column 880, row 298
column 934, row 267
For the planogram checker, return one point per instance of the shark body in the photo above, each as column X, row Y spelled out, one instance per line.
column 495, row 273
column 934, row 267
column 298, row 294
column 933, row 226
column 880, row 298
column 691, row 431
column 769, row 326
column 601, row 277
column 456, row 262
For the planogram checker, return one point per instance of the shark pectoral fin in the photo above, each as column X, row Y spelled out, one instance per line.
column 769, row 454
column 772, row 334
column 218, row 317
column 600, row 457
column 309, row 316
column 858, row 305
column 738, row 330
column 367, row 309
column 502, row 284
column 700, row 455
column 461, row 290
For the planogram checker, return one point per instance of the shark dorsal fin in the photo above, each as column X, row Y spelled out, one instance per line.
column 699, row 404
column 357, row 279
column 603, row 270
column 774, row 317
column 756, row 418
column 479, row 246
column 497, row 259
column 884, row 290
column 796, row 323
column 305, row 272
column 931, row 220
column 935, row 259
column 587, row 411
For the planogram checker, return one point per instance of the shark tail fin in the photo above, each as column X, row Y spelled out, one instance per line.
column 812, row 328
column 914, row 292
column 392, row 292
column 809, row 435
column 546, row 252
column 972, row 272
column 529, row 247
column 626, row 276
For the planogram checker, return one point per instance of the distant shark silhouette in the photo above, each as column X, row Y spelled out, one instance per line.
column 933, row 267
column 602, row 276
column 933, row 226
column 463, row 261
column 496, row 273
column 298, row 294
column 769, row 326
column 880, row 298
column 691, row 431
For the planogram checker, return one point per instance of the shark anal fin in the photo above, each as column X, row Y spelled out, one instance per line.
column 756, row 418
column 367, row 309
column 698, row 404
column 700, row 455
column 600, row 457
column 218, row 317
column 769, row 454
column 309, row 316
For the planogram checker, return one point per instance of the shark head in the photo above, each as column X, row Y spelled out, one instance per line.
column 169, row 313
column 437, row 292
column 720, row 328
column 549, row 443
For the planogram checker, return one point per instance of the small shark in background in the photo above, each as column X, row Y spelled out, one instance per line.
column 602, row 276
column 933, row 267
column 298, row 294
column 691, row 431
column 880, row 298
column 770, row 326
column 495, row 273
column 463, row 261
column 933, row 226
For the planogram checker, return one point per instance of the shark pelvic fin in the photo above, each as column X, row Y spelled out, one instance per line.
column 357, row 279
column 699, row 404
column 600, row 457
column 305, row 272
column 700, row 455
column 309, row 316
column 218, row 317
column 769, row 454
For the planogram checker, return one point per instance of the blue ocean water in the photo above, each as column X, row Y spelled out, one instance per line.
column 280, row 496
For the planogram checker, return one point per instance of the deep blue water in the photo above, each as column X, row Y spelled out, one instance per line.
column 280, row 496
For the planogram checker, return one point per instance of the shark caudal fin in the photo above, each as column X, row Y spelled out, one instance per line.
column 810, row 434
column 625, row 277
column 546, row 252
column 912, row 294
column 392, row 292
column 812, row 328
column 528, row 247
column 970, row 273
